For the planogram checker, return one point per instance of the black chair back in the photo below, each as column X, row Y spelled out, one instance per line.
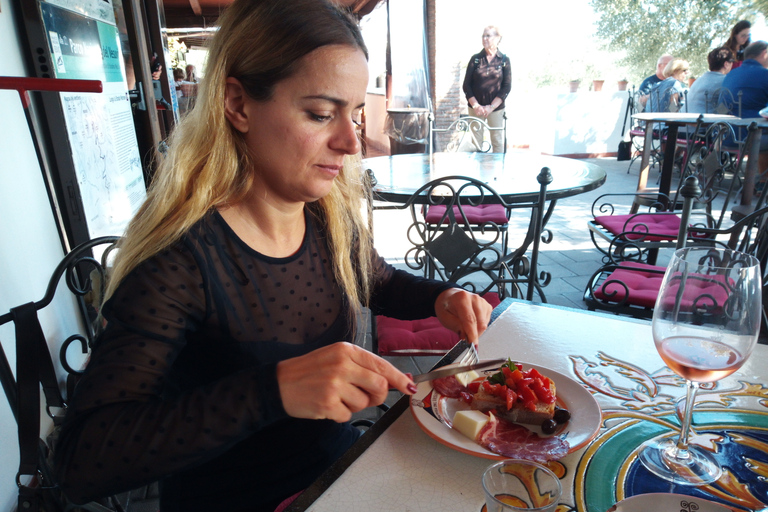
column 465, row 134
column 472, row 257
column 85, row 277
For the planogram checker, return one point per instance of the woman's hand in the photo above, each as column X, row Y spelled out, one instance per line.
column 337, row 380
column 480, row 111
column 463, row 312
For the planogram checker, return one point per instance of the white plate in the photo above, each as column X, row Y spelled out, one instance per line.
column 578, row 431
column 764, row 112
column 664, row 502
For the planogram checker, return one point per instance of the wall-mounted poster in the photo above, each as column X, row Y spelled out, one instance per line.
column 84, row 44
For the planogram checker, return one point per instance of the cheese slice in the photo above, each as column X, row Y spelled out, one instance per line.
column 469, row 423
column 467, row 377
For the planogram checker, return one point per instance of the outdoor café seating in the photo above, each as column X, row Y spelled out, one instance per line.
column 631, row 287
column 638, row 236
column 471, row 258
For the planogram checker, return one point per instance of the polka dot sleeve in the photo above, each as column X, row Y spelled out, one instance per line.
column 135, row 417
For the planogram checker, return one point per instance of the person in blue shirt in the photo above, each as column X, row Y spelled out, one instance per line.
column 751, row 80
column 648, row 83
column 750, row 83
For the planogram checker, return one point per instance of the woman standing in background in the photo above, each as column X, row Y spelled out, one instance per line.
column 487, row 83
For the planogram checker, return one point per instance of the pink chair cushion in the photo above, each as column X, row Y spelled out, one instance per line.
column 425, row 337
column 475, row 214
column 643, row 285
column 662, row 227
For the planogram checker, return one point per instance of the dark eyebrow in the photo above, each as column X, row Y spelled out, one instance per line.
column 331, row 99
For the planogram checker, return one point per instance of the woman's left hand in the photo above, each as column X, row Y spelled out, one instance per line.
column 463, row 312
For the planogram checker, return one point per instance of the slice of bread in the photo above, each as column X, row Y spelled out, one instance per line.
column 484, row 402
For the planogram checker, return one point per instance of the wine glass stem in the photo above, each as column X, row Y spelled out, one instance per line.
column 690, row 396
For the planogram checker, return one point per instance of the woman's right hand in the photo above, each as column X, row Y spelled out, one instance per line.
column 480, row 111
column 335, row 381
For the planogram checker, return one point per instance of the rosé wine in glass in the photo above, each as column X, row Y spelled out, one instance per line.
column 699, row 359
column 705, row 325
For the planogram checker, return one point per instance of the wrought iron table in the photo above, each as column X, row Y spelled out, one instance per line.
column 397, row 466
column 512, row 174
column 674, row 120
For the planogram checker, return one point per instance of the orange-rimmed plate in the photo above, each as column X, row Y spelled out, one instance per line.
column 434, row 414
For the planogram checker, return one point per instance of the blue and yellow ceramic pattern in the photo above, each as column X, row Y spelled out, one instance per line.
column 646, row 406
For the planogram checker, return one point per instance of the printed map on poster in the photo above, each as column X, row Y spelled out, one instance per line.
column 99, row 126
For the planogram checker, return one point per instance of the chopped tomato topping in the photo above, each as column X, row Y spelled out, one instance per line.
column 543, row 392
column 529, row 398
column 532, row 373
column 474, row 387
column 511, row 399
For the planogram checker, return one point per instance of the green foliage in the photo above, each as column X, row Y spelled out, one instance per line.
column 647, row 29
column 760, row 6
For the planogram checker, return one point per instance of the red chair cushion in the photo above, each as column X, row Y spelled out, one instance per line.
column 642, row 283
column 424, row 337
column 662, row 227
column 475, row 214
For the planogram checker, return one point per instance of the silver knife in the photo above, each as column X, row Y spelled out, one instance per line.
column 453, row 370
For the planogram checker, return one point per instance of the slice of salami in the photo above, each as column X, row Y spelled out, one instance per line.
column 449, row 386
column 517, row 442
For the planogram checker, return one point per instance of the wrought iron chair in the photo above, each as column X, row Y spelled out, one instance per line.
column 84, row 273
column 464, row 134
column 631, row 288
column 462, row 256
column 638, row 236
column 637, row 133
column 726, row 102
column 721, row 102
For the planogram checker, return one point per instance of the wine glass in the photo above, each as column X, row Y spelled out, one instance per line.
column 705, row 324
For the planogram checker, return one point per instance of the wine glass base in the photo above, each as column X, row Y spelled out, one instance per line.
column 697, row 467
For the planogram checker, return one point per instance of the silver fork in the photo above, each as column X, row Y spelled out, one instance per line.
column 469, row 356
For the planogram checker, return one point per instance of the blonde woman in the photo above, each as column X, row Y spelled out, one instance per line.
column 224, row 370
column 669, row 94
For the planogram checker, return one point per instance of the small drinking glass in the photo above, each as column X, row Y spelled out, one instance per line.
column 705, row 325
column 513, row 485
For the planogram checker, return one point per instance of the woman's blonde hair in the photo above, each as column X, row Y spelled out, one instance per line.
column 674, row 66
column 207, row 165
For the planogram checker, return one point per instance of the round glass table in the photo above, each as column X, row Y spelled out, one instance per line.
column 512, row 174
